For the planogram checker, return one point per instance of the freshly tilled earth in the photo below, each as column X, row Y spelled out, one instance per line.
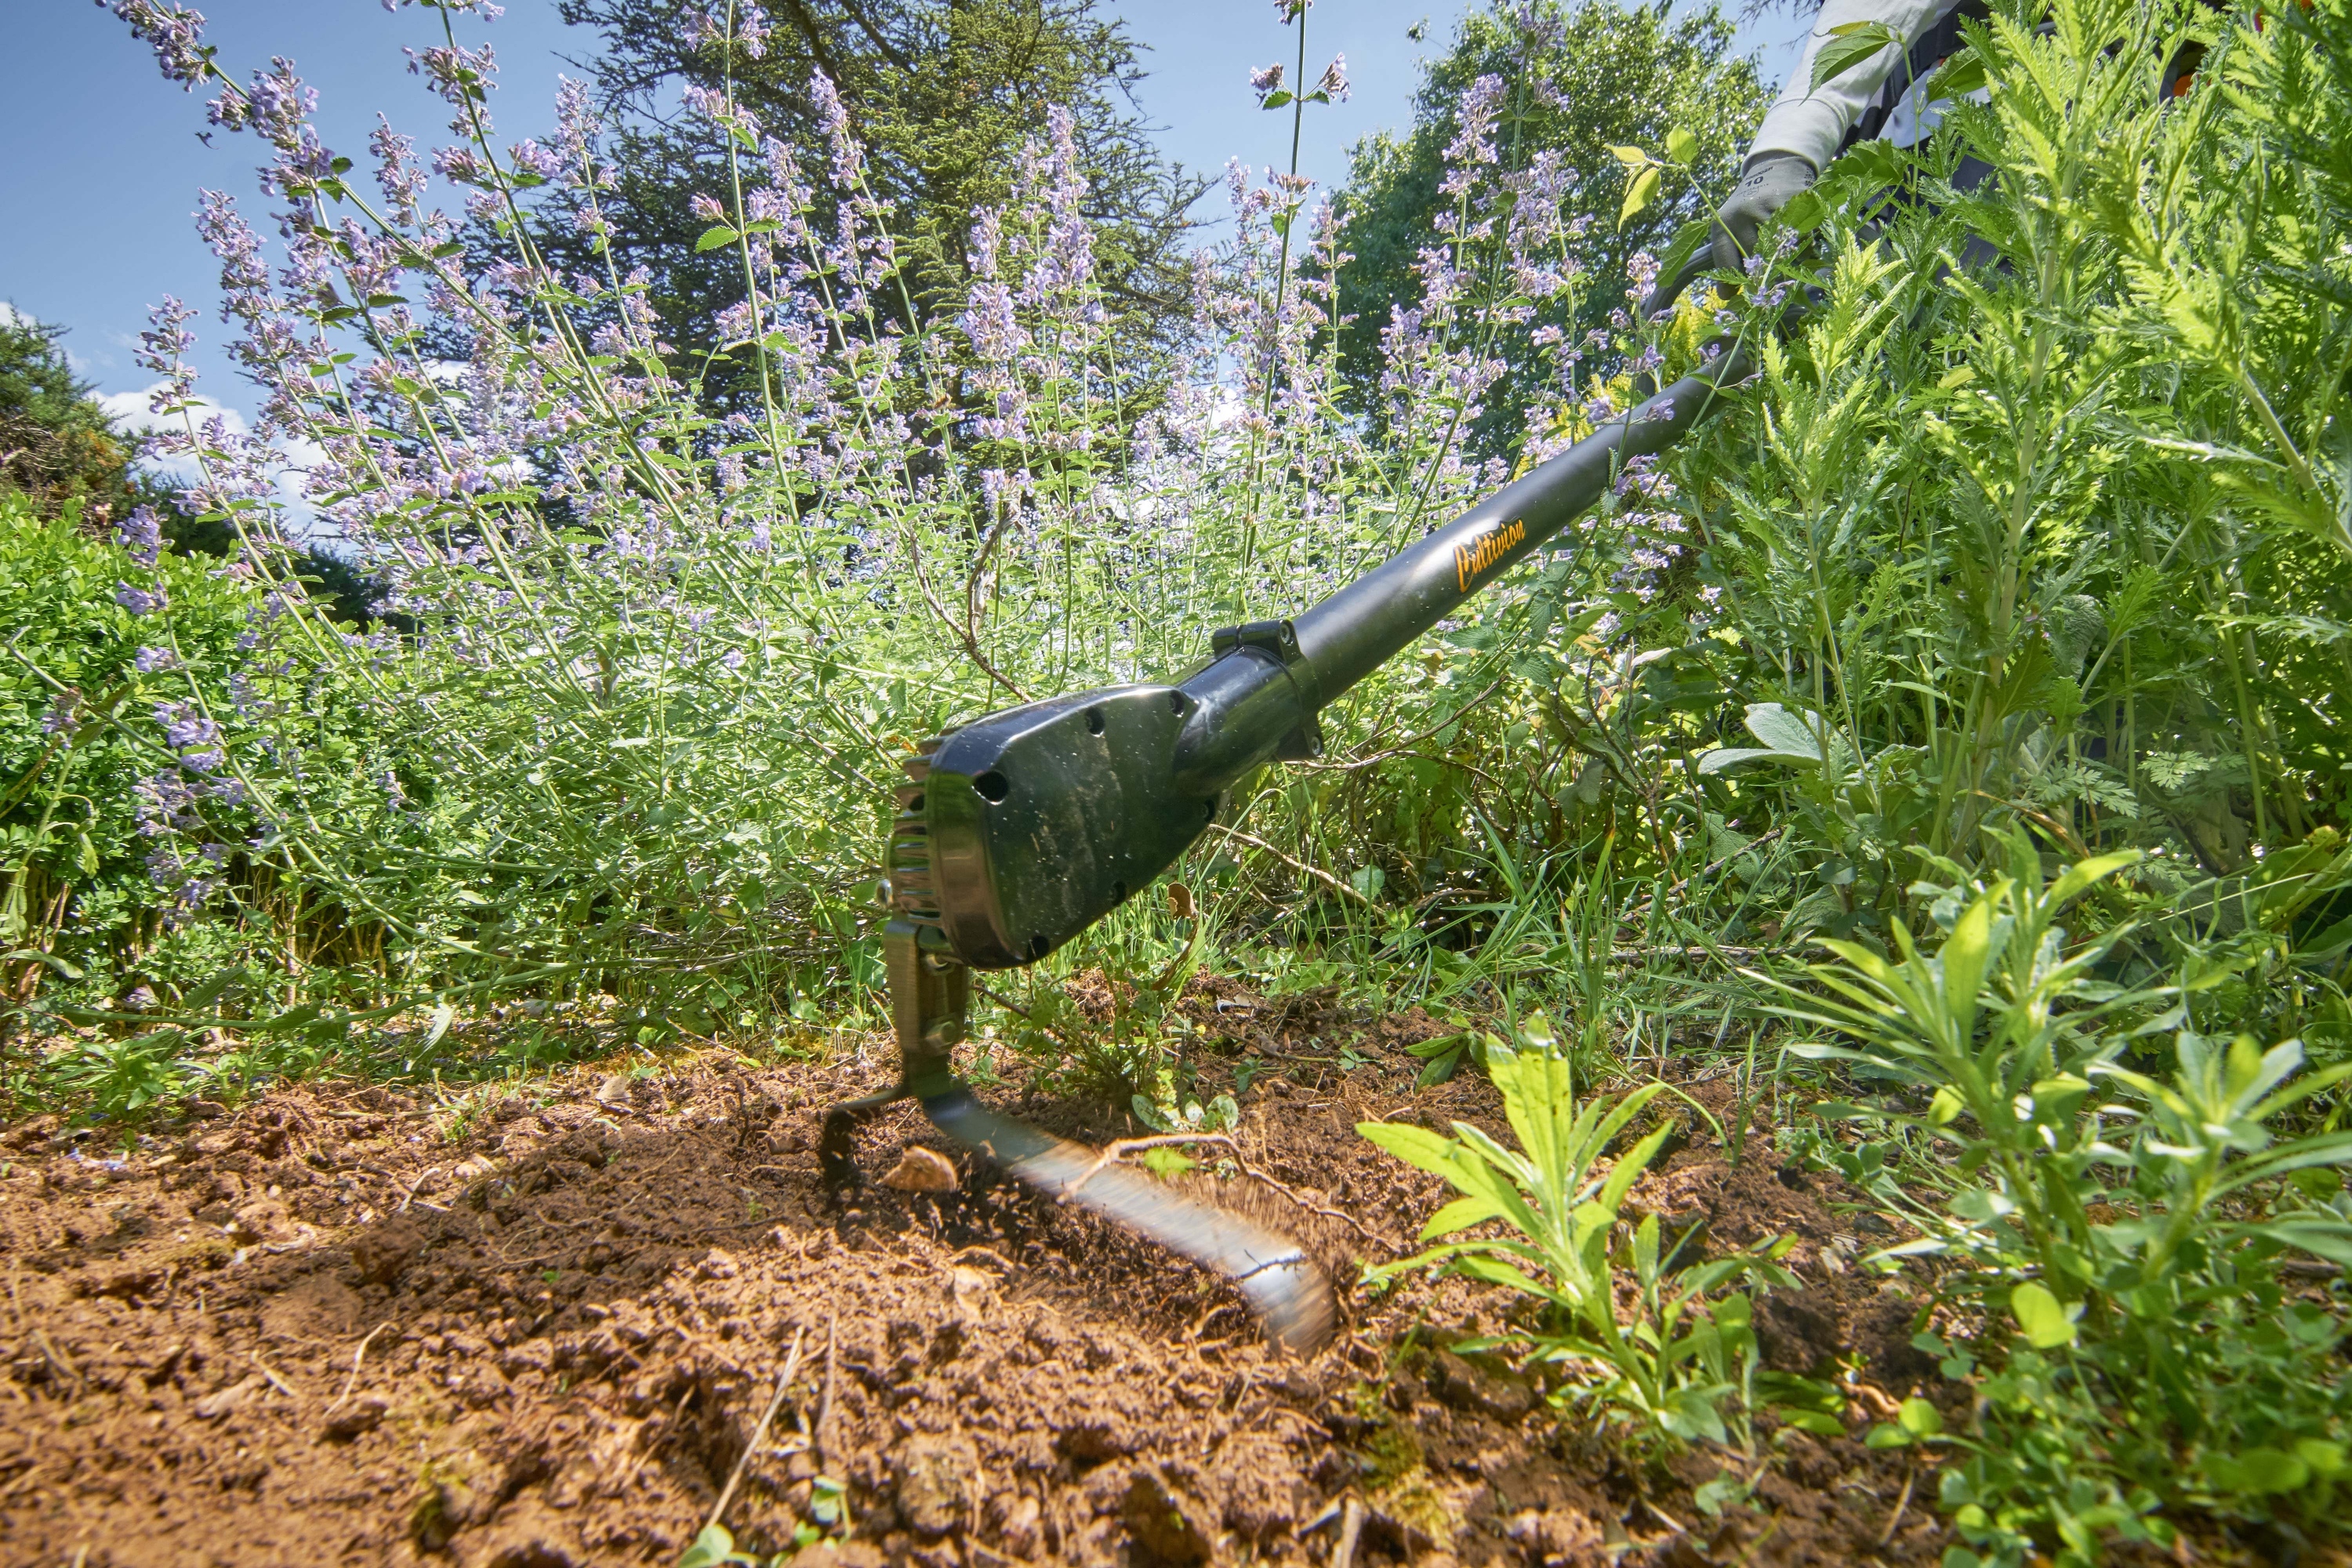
column 353, row 1325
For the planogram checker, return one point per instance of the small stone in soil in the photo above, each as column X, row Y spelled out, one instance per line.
column 363, row 1415
column 934, row 1485
column 1468, row 1387
column 921, row 1170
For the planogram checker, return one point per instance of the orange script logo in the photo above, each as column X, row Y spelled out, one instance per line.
column 1469, row 560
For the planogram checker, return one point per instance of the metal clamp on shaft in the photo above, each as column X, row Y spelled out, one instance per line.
column 1280, row 638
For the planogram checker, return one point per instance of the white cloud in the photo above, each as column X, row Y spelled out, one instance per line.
column 130, row 412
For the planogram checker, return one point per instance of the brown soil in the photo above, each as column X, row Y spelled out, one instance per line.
column 349, row 1326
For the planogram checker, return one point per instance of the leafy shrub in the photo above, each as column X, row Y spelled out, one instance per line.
column 2124, row 1250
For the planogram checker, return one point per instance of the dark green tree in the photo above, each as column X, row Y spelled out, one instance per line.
column 61, row 451
column 1586, row 77
column 57, row 445
column 942, row 93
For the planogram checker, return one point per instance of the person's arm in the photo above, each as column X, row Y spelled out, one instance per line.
column 1810, row 123
column 1802, row 132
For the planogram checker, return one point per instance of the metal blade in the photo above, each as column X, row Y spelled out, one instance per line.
column 1288, row 1290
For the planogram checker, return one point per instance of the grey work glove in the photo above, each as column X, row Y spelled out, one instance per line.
column 1770, row 181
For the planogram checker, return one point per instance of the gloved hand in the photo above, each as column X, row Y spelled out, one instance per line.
column 1770, row 181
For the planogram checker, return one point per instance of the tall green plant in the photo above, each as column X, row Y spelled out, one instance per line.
column 1670, row 1372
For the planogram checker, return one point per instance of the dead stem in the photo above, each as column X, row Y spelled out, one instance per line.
column 1902, row 1501
column 352, row 1382
column 726, row 1494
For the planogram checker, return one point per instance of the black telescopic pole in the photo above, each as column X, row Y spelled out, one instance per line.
column 1244, row 709
column 1361, row 627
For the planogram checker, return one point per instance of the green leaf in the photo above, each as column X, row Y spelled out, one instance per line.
column 2330, row 1239
column 66, row 967
column 1959, row 76
column 1820, row 1422
column 2271, row 1470
column 1416, row 1146
column 1850, row 44
column 711, row 1549
column 1440, row 1067
column 1495, row 1273
column 1631, row 157
column 2326, row 1458
column 1279, row 98
column 1642, row 190
column 1165, row 1162
column 1688, row 240
column 1886, row 1434
column 1681, row 146
column 712, row 238
column 2047, row 1324
column 1459, row 1215
column 1920, row 1418
column 1690, row 1415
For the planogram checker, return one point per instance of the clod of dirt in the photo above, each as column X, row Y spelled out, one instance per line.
column 935, row 1480
column 1556, row 1534
column 921, row 1170
column 1015, row 1517
column 1167, row 1525
column 1465, row 1386
column 464, row 1494
column 213, row 1406
column 1797, row 1332
column 359, row 1415
column 382, row 1253
column 526, row 1537
column 257, row 1221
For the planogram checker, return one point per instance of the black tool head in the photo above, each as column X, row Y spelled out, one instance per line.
column 1042, row 819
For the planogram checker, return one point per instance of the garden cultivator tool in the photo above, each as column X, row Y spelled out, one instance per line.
column 1017, row 831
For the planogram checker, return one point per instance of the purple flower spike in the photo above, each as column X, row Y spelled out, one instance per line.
column 141, row 534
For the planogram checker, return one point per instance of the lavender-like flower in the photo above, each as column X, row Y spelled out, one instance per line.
column 275, row 108
column 1473, row 140
column 577, row 124
column 1265, row 81
column 154, row 661
column 65, row 713
column 141, row 601
column 459, row 75
column 1334, row 82
column 545, row 163
column 177, row 34
column 848, row 161
column 189, row 732
column 141, row 534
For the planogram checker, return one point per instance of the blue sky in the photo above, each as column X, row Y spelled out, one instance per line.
column 102, row 162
